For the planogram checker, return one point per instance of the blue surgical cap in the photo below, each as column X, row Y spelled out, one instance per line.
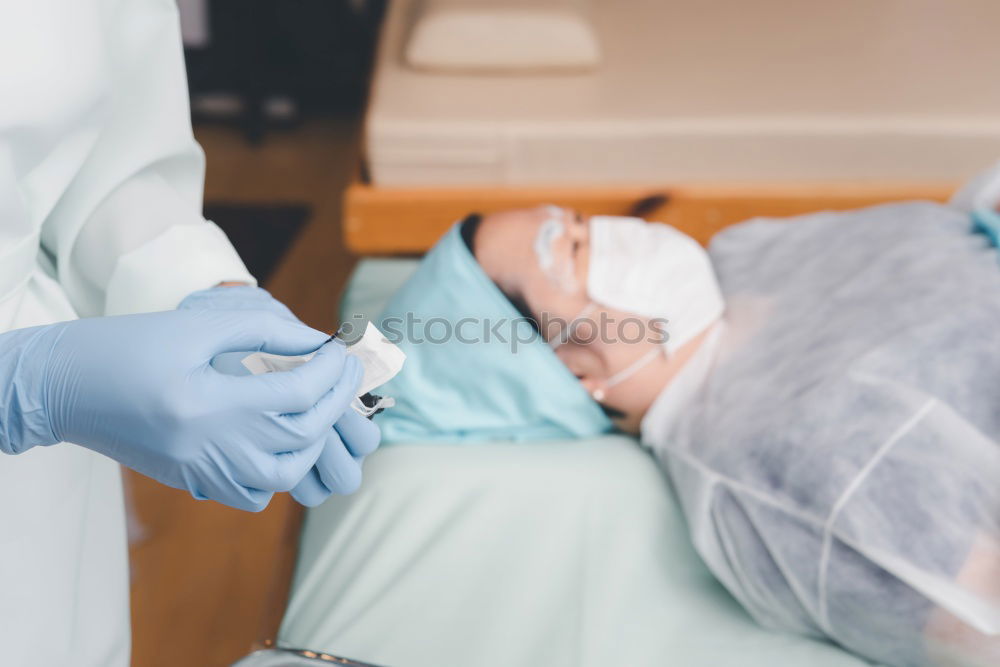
column 475, row 369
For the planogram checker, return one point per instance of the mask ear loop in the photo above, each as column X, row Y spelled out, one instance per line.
column 600, row 393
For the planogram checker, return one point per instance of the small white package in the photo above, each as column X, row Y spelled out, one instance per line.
column 380, row 358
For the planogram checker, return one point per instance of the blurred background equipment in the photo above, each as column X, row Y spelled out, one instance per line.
column 503, row 37
column 725, row 110
column 265, row 63
column 771, row 91
column 262, row 233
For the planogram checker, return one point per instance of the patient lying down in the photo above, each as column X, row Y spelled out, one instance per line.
column 823, row 394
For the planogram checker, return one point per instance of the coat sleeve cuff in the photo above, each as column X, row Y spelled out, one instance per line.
column 183, row 259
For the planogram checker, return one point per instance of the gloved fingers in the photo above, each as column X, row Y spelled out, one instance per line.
column 280, row 309
column 311, row 491
column 220, row 297
column 236, row 297
column 222, row 488
column 360, row 434
column 257, row 500
column 338, row 470
column 260, row 330
column 280, row 471
column 320, row 418
column 293, row 467
column 300, row 389
column 249, row 499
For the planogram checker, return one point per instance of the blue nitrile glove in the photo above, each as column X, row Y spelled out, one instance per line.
column 236, row 297
column 140, row 389
column 338, row 469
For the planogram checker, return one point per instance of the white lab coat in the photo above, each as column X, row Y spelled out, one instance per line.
column 100, row 199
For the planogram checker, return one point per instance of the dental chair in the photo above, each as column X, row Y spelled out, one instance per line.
column 545, row 553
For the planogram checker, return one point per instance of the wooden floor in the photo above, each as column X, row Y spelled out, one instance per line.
column 208, row 582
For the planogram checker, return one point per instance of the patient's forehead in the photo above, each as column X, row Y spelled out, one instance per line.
column 503, row 246
column 509, row 231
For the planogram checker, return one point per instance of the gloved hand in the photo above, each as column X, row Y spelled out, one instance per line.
column 140, row 389
column 236, row 297
column 338, row 468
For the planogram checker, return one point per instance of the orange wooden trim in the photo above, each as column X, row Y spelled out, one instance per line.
column 398, row 220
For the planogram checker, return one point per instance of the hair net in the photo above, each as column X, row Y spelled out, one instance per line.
column 840, row 466
column 475, row 369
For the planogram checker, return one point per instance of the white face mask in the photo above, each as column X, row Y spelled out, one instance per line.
column 650, row 270
column 655, row 271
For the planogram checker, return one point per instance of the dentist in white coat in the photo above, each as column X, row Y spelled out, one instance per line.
column 100, row 219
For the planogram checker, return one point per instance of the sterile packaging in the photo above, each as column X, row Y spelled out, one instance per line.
column 379, row 357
